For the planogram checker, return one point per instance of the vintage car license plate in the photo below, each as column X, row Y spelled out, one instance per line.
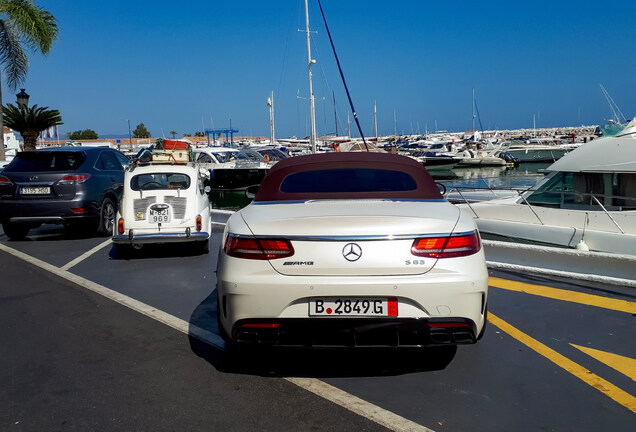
column 41, row 190
column 156, row 216
column 353, row 306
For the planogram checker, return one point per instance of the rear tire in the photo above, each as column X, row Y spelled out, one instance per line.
column 107, row 217
column 15, row 231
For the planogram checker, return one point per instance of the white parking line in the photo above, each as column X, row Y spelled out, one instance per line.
column 85, row 255
column 352, row 403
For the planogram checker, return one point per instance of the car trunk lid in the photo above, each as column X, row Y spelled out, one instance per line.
column 352, row 237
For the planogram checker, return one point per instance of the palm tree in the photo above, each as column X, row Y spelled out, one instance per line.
column 173, row 133
column 21, row 23
column 30, row 121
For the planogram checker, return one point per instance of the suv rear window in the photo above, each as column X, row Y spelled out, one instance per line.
column 159, row 181
column 38, row 161
column 348, row 180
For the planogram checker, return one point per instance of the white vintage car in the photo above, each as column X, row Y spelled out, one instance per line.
column 163, row 203
column 351, row 249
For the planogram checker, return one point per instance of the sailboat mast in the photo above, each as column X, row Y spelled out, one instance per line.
column 335, row 115
column 310, row 61
column 473, row 109
column 375, row 119
column 270, row 104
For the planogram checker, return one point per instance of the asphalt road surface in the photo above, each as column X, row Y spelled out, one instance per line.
column 92, row 342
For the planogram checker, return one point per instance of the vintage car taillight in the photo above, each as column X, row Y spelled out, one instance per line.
column 447, row 247
column 198, row 222
column 260, row 249
column 4, row 181
column 120, row 226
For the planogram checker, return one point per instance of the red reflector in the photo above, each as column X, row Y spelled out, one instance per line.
column 78, row 210
column 120, row 226
column 446, row 325
column 260, row 325
column 447, row 247
column 262, row 249
column 392, row 306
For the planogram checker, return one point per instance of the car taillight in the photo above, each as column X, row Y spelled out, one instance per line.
column 4, row 181
column 120, row 226
column 447, row 247
column 260, row 249
column 74, row 179
column 198, row 222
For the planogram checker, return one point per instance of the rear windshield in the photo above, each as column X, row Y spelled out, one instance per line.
column 157, row 181
column 46, row 161
column 348, row 180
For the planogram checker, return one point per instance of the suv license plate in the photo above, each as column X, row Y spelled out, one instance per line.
column 157, row 216
column 353, row 306
column 43, row 190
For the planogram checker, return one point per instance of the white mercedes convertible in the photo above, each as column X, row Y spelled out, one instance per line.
column 351, row 249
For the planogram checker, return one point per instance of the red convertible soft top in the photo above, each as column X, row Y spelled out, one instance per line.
column 347, row 175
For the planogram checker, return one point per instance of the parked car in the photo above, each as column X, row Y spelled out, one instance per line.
column 351, row 249
column 63, row 185
column 163, row 203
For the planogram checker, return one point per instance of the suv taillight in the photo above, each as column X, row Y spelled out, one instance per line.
column 447, row 247
column 260, row 249
column 4, row 181
column 74, row 179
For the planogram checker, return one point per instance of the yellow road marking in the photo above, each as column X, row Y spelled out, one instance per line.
column 565, row 295
column 625, row 365
column 604, row 386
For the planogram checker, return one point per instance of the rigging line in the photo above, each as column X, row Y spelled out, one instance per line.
column 285, row 55
column 478, row 116
column 355, row 116
column 324, row 75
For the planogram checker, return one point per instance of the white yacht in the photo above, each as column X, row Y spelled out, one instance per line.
column 587, row 201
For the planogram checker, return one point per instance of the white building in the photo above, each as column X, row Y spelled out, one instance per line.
column 12, row 142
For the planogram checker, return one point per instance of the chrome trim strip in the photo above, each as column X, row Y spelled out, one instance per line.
column 309, row 201
column 160, row 238
column 353, row 238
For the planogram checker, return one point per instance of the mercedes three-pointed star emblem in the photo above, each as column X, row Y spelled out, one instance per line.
column 352, row 252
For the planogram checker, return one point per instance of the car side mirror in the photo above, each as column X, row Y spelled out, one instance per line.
column 207, row 189
column 251, row 191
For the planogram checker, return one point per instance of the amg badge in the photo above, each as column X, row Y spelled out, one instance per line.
column 299, row 263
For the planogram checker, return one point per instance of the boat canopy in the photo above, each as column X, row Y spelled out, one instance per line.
column 612, row 154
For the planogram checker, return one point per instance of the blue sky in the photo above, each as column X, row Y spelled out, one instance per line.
column 185, row 65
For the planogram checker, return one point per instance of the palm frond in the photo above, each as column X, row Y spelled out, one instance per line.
column 12, row 56
column 35, row 25
column 33, row 118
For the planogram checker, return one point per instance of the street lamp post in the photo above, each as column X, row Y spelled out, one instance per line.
column 129, row 135
column 23, row 99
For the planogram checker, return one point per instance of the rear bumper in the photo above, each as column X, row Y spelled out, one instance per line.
column 47, row 211
column 356, row 332
column 174, row 237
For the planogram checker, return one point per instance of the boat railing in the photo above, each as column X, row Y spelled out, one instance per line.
column 608, row 214
column 593, row 199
